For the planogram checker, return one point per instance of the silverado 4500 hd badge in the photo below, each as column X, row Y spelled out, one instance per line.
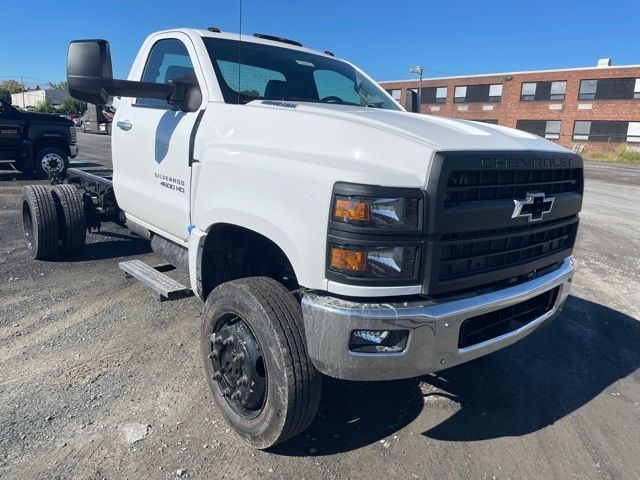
column 170, row 182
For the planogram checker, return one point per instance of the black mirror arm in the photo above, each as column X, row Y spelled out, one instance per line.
column 173, row 93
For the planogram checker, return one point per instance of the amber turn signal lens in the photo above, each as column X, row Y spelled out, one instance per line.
column 348, row 260
column 348, row 209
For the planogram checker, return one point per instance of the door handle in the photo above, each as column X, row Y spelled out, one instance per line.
column 124, row 125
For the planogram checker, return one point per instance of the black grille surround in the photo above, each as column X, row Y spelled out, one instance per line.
column 476, row 185
column 470, row 238
column 490, row 325
column 483, row 253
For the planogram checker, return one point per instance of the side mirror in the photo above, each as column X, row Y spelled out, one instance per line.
column 89, row 72
column 90, row 79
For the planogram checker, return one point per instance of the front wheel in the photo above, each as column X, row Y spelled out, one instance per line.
column 255, row 359
column 51, row 160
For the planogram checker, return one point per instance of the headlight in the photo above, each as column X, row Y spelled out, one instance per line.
column 377, row 208
column 375, row 235
column 373, row 262
column 393, row 213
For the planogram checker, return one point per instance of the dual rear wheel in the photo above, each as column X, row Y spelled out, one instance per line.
column 53, row 221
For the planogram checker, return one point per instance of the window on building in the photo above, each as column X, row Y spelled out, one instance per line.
column 491, row 121
column 495, row 93
column 558, row 90
column 549, row 129
column 581, row 130
column 528, row 91
column 610, row 89
column 606, row 131
column 478, row 93
column 633, row 132
column 543, row 91
column 588, row 89
column 396, row 93
column 434, row 95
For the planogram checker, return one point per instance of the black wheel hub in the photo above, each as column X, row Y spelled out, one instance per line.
column 238, row 365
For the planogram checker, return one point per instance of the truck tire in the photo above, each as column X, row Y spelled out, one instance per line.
column 255, row 359
column 71, row 217
column 50, row 159
column 40, row 222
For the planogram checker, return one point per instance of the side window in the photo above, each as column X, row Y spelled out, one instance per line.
column 168, row 61
column 333, row 84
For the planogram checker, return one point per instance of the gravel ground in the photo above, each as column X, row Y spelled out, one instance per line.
column 100, row 380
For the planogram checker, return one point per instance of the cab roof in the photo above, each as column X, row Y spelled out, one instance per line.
column 245, row 38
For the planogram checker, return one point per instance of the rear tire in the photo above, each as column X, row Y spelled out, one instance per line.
column 71, row 217
column 259, row 315
column 39, row 222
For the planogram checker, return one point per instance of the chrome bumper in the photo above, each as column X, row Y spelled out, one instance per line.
column 433, row 325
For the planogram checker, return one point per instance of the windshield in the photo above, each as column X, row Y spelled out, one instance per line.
column 274, row 73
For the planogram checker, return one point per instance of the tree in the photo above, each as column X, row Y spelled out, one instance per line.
column 59, row 85
column 71, row 105
column 5, row 95
column 45, row 106
column 12, row 86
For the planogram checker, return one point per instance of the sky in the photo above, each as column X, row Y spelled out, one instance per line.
column 383, row 38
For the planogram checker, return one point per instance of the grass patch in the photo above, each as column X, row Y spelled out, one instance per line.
column 619, row 154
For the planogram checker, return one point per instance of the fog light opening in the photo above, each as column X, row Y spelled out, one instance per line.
column 378, row 341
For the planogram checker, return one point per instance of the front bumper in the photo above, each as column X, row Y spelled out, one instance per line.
column 433, row 325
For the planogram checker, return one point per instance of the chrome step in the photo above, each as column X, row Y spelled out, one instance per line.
column 167, row 287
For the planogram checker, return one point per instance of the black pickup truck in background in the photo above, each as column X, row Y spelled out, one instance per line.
column 36, row 142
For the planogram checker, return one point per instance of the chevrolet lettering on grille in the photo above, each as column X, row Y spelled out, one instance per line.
column 534, row 206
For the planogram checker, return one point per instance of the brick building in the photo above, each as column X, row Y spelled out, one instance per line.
column 593, row 105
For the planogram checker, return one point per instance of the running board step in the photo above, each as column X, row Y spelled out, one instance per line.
column 167, row 287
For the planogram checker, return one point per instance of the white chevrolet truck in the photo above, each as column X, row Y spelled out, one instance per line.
column 327, row 230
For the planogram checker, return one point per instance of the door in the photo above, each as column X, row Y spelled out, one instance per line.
column 151, row 144
column 10, row 132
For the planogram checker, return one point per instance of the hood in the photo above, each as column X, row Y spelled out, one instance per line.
column 440, row 133
column 45, row 118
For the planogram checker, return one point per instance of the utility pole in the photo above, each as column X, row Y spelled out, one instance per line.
column 418, row 69
column 24, row 105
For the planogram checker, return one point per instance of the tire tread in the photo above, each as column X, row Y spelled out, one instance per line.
column 45, row 221
column 72, row 218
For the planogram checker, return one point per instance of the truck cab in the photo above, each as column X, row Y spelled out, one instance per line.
column 327, row 230
column 36, row 142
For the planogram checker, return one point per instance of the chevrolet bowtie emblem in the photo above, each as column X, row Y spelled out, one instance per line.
column 534, row 206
